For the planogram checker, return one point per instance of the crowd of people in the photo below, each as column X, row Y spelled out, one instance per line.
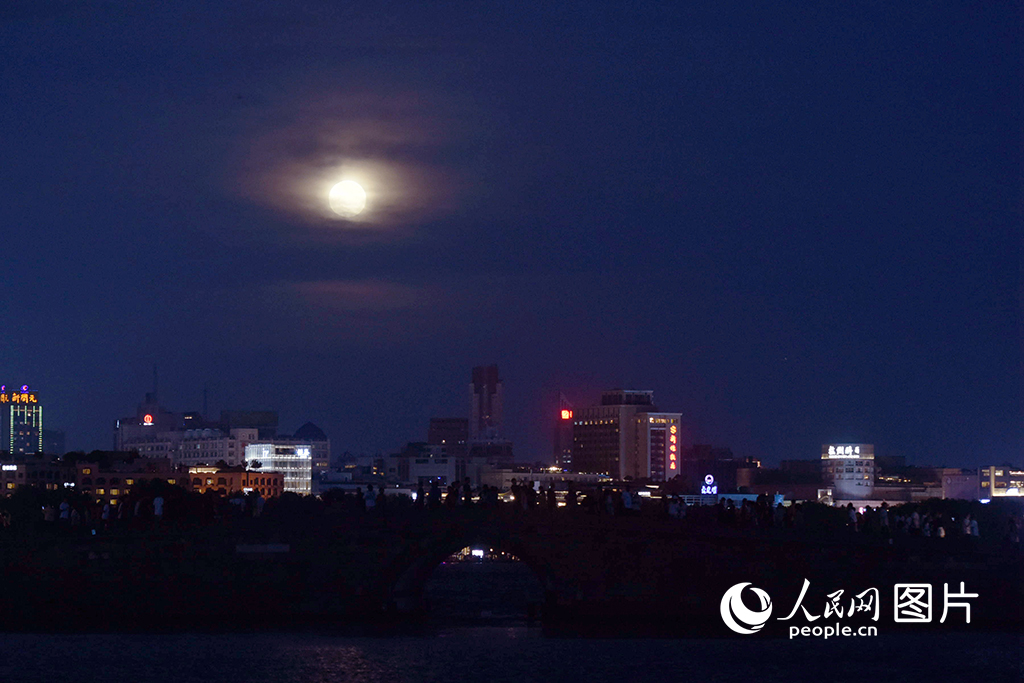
column 161, row 504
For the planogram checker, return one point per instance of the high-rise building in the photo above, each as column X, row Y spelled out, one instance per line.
column 485, row 418
column 626, row 436
column 562, row 441
column 21, row 415
column 603, row 435
column 485, row 406
column 657, row 444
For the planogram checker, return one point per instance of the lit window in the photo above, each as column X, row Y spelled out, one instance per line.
column 86, row 470
column 100, row 492
column 129, row 481
column 115, row 492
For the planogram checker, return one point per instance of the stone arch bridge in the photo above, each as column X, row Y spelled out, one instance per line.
column 344, row 569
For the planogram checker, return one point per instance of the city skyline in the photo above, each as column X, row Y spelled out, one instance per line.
column 797, row 226
column 555, row 418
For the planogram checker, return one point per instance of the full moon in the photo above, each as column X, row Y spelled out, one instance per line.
column 348, row 198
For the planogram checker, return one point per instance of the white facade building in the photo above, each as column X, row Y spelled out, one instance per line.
column 849, row 469
column 196, row 447
column 293, row 460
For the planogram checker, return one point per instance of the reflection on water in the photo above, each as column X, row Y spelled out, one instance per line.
column 483, row 591
column 494, row 598
column 500, row 654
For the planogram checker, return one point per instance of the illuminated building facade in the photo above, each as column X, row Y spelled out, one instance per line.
column 626, row 436
column 998, row 481
column 293, row 460
column 657, row 446
column 849, row 469
column 268, row 484
column 21, row 415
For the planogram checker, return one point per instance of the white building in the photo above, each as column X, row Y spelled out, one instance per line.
column 849, row 469
column 293, row 460
column 196, row 447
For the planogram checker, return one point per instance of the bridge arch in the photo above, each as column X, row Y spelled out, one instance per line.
column 407, row 578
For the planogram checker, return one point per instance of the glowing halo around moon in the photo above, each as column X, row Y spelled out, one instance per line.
column 347, row 198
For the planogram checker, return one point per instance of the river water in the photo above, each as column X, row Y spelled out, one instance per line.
column 479, row 633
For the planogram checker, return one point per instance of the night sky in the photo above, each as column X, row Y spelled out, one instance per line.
column 795, row 223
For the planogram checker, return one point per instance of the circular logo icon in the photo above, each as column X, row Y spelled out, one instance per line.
column 738, row 617
column 709, row 480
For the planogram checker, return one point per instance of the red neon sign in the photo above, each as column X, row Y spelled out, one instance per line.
column 566, row 414
column 147, row 419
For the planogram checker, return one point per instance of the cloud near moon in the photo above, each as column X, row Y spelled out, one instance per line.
column 393, row 147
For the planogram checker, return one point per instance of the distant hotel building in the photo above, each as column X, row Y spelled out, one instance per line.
column 849, row 469
column 626, row 436
column 21, row 420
